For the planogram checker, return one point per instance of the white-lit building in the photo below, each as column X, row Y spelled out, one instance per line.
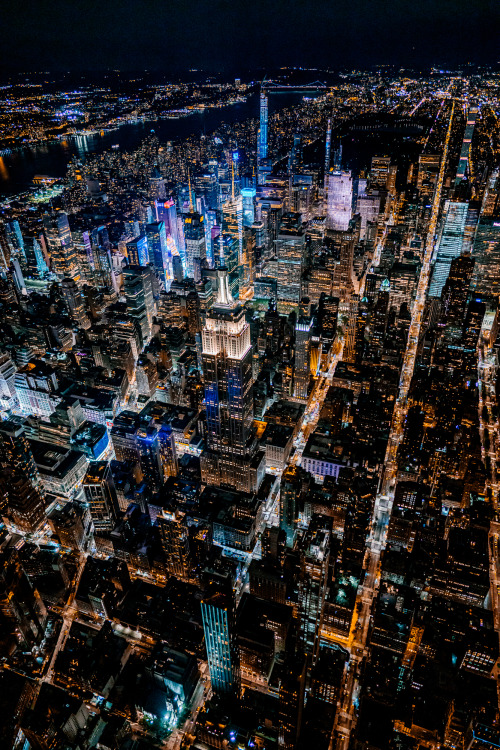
column 339, row 208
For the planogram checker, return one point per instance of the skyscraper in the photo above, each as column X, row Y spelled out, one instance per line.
column 157, row 186
column 20, row 604
column 379, row 171
column 222, row 655
column 137, row 251
column 290, row 251
column 292, row 484
column 291, row 699
column 301, row 369
column 456, row 289
column 339, row 209
column 196, row 251
column 138, row 291
column 486, row 251
column 21, row 493
column 8, row 396
column 232, row 213
column 227, row 372
column 100, row 261
column 167, row 212
column 14, row 237
column 175, row 542
column 263, row 125
column 466, row 145
column 60, row 245
column 248, row 198
column 75, row 303
column 148, row 445
column 314, row 549
column 262, row 167
column 100, row 494
column 450, row 244
column 36, row 265
column 158, row 251
column 327, row 151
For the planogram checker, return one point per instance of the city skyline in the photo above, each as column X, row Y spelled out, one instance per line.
column 249, row 409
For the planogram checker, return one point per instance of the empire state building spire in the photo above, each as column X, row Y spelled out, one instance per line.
column 224, row 296
column 231, row 455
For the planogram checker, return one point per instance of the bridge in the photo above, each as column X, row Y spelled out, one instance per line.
column 277, row 87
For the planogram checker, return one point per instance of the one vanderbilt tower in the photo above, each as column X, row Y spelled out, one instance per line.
column 231, row 458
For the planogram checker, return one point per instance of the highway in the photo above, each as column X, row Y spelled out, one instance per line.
column 346, row 716
column 487, row 369
column 418, row 105
column 490, row 446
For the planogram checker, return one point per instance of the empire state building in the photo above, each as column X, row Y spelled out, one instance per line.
column 231, row 458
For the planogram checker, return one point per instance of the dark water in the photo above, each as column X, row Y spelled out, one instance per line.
column 18, row 169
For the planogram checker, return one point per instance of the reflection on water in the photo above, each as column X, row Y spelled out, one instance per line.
column 4, row 172
column 18, row 168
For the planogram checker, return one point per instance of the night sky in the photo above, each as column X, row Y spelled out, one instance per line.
column 233, row 35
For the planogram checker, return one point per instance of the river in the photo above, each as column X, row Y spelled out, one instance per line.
column 18, row 168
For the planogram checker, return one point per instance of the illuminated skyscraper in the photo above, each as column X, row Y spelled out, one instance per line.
column 290, row 251
column 167, row 212
column 36, row 265
column 137, row 251
column 196, row 251
column 339, row 209
column 466, row 145
column 175, row 542
column 222, row 654
column 248, row 196
column 156, row 186
column 60, row 245
column 101, row 262
column 263, row 125
column 158, row 251
column 138, row 291
column 230, row 457
column 262, row 167
column 148, row 445
column 8, row 397
column 327, row 151
column 379, row 171
column 75, row 302
column 314, row 548
column 450, row 244
column 14, row 237
column 100, row 494
column 301, row 369
column 227, row 257
column 295, row 158
column 368, row 207
column 486, row 251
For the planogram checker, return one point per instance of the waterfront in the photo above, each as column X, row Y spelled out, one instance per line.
column 18, row 168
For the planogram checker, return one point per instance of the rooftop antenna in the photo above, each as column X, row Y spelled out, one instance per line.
column 221, row 248
column 191, row 209
column 232, row 179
